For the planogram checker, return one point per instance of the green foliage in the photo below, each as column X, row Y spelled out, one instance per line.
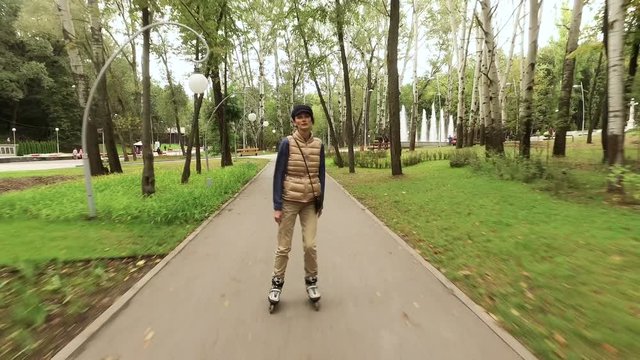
column 462, row 157
column 36, row 147
column 381, row 159
column 119, row 200
column 629, row 181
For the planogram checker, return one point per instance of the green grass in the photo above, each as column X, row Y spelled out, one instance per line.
column 48, row 222
column 58, row 271
column 561, row 276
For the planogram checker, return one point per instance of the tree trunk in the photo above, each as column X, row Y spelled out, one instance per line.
column 197, row 105
column 148, row 173
column 504, row 79
column 261, row 109
column 494, row 141
column 616, row 75
column 592, row 99
column 174, row 102
column 393, row 88
column 462, row 69
column 347, row 84
column 102, row 97
column 277, row 95
column 81, row 82
column 225, row 147
column 564, row 104
column 475, row 95
column 526, row 105
column 414, row 105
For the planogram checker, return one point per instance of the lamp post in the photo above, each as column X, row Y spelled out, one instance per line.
column 252, row 117
column 206, row 126
column 57, row 140
column 632, row 115
column 196, row 82
column 262, row 126
column 582, row 91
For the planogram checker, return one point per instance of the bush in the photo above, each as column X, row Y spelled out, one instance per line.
column 512, row 168
column 381, row 159
column 462, row 157
column 36, row 147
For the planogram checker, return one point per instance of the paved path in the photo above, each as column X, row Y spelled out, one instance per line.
column 379, row 301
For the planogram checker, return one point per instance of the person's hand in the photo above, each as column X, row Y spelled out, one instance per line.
column 277, row 216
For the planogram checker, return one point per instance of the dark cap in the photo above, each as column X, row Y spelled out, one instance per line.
column 299, row 109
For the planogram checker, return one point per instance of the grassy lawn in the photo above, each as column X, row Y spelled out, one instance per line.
column 561, row 275
column 58, row 271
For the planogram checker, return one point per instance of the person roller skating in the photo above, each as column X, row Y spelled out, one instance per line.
column 298, row 191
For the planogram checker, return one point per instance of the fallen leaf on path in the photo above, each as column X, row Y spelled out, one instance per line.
column 140, row 263
column 610, row 349
column 559, row 339
column 465, row 273
column 416, row 305
column 148, row 336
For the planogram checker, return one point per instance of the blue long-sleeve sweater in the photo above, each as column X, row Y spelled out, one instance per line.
column 282, row 161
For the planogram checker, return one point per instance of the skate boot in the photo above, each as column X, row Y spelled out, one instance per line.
column 312, row 290
column 274, row 293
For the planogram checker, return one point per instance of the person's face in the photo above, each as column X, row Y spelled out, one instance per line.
column 303, row 121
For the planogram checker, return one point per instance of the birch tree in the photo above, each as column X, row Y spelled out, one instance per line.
column 616, row 76
column 564, row 105
column 81, row 83
column 494, row 141
column 526, row 105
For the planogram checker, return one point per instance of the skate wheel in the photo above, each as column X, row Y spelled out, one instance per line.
column 272, row 308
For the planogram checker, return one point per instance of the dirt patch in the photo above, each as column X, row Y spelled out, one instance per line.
column 44, row 308
column 16, row 184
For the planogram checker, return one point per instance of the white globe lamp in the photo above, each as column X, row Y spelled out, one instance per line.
column 198, row 83
column 251, row 117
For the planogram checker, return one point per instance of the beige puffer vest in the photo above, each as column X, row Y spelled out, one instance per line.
column 297, row 186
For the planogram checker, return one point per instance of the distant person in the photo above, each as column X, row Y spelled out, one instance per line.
column 75, row 153
column 80, row 153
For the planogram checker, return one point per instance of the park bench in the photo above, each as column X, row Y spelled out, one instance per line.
column 248, row 151
column 377, row 145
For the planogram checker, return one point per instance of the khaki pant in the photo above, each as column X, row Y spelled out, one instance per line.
column 309, row 222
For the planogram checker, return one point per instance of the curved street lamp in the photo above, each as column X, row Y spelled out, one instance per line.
column 197, row 82
column 14, row 139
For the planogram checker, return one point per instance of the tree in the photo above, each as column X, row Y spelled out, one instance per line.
column 148, row 172
column 311, row 66
column 526, row 105
column 81, row 84
column 393, row 89
column 568, row 69
column 493, row 130
column 616, row 72
column 102, row 111
column 340, row 14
